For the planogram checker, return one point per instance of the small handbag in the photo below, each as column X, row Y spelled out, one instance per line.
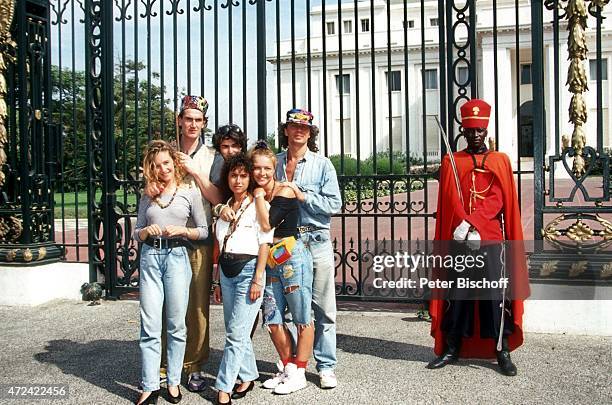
column 281, row 252
column 232, row 264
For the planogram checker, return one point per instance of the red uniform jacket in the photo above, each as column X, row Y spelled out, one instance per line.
column 450, row 213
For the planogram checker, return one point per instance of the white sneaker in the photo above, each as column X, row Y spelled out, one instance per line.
column 328, row 379
column 295, row 380
column 278, row 378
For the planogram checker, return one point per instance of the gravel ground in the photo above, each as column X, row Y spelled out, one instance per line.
column 381, row 356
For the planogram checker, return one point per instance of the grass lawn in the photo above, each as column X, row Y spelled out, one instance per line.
column 71, row 209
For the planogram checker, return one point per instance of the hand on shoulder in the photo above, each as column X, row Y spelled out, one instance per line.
column 286, row 191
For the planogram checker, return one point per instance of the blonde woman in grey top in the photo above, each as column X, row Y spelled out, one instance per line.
column 165, row 272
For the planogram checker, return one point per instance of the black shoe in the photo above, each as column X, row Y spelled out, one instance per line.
column 450, row 355
column 176, row 399
column 217, row 402
column 242, row 394
column 439, row 362
column 505, row 363
column 151, row 399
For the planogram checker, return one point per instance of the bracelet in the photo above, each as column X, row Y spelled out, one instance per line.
column 256, row 283
column 218, row 208
column 260, row 195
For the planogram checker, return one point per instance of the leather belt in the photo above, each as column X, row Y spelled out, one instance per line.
column 308, row 228
column 163, row 243
column 238, row 256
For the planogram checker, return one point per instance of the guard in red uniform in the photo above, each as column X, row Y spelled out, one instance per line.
column 487, row 209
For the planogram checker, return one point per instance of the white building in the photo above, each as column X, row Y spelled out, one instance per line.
column 366, row 104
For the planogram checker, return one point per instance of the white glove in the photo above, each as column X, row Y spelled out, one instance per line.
column 473, row 238
column 473, row 235
column 461, row 231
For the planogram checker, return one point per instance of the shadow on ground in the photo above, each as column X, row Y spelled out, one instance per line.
column 114, row 365
column 384, row 349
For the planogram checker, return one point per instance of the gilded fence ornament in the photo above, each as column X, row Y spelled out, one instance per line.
column 492, row 143
column 551, row 233
column 606, row 232
column 565, row 140
column 576, row 14
column 10, row 229
column 11, row 255
column 580, row 232
column 548, row 268
column 7, row 46
column 578, row 268
column 606, row 270
column 599, row 3
column 27, row 255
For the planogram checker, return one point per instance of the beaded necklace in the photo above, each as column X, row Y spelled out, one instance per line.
column 162, row 205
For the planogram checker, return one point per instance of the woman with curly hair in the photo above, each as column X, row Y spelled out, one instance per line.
column 243, row 248
column 165, row 272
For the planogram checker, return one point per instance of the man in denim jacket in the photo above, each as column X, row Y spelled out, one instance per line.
column 314, row 180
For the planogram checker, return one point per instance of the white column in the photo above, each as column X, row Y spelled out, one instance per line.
column 549, row 100
column 505, row 107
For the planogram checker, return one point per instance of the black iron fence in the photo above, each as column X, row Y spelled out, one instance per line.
column 374, row 73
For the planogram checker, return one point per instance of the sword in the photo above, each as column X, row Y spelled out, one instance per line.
column 502, row 258
column 452, row 159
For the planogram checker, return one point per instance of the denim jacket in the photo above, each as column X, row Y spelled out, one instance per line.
column 316, row 177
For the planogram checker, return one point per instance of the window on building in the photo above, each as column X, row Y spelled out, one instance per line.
column 331, row 28
column 365, row 25
column 526, row 73
column 343, row 84
column 463, row 74
column 348, row 27
column 394, row 80
column 408, row 24
column 431, row 79
column 593, row 69
column 433, row 22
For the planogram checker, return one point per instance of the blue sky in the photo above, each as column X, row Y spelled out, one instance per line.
column 126, row 31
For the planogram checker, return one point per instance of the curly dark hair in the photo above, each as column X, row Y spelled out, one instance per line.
column 236, row 162
column 283, row 141
column 230, row 131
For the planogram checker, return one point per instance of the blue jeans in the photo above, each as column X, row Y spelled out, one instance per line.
column 323, row 297
column 239, row 314
column 165, row 275
column 295, row 272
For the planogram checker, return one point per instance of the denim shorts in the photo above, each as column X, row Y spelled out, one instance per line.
column 294, row 275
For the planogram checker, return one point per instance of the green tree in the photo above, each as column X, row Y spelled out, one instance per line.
column 138, row 116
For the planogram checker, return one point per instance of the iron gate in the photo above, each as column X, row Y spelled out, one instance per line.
column 375, row 73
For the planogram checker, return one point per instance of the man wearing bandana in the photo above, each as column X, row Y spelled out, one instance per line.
column 489, row 212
